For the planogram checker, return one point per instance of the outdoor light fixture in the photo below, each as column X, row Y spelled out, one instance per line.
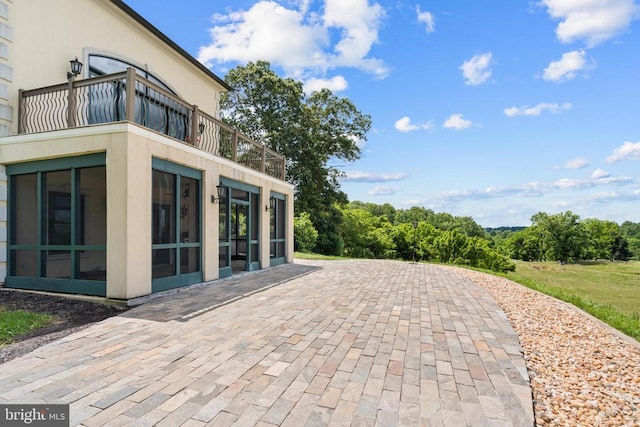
column 271, row 205
column 201, row 128
column 76, row 69
column 222, row 194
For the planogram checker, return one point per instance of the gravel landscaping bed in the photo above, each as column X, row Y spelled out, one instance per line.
column 582, row 372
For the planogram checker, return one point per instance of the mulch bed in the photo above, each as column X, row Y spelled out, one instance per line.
column 69, row 314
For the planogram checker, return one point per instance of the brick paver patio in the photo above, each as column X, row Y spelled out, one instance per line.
column 351, row 343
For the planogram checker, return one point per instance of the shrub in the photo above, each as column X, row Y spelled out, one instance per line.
column 304, row 233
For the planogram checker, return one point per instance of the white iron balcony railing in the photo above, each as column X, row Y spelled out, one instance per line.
column 127, row 96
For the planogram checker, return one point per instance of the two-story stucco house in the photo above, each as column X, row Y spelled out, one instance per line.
column 118, row 180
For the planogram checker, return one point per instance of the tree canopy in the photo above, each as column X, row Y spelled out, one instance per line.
column 311, row 131
column 565, row 237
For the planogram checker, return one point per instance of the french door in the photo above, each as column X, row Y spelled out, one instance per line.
column 239, row 239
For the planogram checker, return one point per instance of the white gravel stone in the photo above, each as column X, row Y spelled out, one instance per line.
column 582, row 372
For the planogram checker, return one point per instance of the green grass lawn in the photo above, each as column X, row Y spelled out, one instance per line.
column 19, row 322
column 615, row 284
column 312, row 255
column 609, row 291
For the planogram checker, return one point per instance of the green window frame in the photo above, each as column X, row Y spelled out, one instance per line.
column 176, row 226
column 56, row 252
column 277, row 229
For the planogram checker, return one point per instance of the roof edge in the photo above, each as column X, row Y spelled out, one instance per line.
column 163, row 37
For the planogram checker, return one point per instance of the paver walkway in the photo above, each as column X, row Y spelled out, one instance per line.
column 358, row 343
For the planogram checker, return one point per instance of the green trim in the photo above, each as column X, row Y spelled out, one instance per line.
column 277, row 213
column 73, row 285
column 61, row 163
column 172, row 282
column 179, row 280
column 176, row 169
column 239, row 185
column 277, row 261
column 224, row 272
column 254, row 266
column 69, row 286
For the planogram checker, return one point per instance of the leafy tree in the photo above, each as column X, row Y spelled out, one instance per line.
column 413, row 214
column 525, row 245
column 606, row 240
column 450, row 247
column 631, row 232
column 386, row 210
column 366, row 236
column 563, row 237
column 305, row 235
column 328, row 222
column 309, row 130
column 468, row 227
column 620, row 249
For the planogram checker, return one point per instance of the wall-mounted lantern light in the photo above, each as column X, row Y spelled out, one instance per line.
column 222, row 194
column 271, row 205
column 201, row 128
column 76, row 69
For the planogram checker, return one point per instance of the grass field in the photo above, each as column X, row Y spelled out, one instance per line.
column 608, row 283
column 609, row 291
column 19, row 322
column 311, row 255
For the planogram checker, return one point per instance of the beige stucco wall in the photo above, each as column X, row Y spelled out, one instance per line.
column 6, row 117
column 50, row 33
column 129, row 151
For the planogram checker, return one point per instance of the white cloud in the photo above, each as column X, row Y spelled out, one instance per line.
column 404, row 125
column 335, row 84
column 537, row 109
column 599, row 178
column 359, row 176
column 576, row 184
column 566, row 183
column 381, row 190
column 359, row 22
column 298, row 40
column 612, row 196
column 628, row 150
column 577, row 163
column 593, row 21
column 476, row 70
column 427, row 19
column 600, row 174
column 565, row 68
column 455, row 121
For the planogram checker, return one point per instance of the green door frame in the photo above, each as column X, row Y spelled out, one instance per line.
column 277, row 258
column 252, row 208
column 179, row 279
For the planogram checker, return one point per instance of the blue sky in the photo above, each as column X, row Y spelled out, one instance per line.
column 495, row 110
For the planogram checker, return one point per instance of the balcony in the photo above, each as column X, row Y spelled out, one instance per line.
column 127, row 96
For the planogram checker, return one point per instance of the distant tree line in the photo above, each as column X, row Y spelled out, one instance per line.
column 564, row 237
column 368, row 230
